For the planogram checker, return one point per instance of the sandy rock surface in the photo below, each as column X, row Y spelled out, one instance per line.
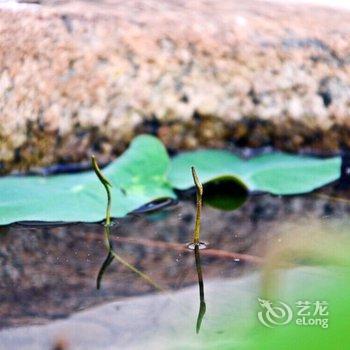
column 166, row 321
column 78, row 78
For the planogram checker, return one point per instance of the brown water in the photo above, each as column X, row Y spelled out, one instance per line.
column 50, row 272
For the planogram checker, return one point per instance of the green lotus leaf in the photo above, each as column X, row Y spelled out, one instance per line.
column 137, row 177
column 144, row 173
column 276, row 173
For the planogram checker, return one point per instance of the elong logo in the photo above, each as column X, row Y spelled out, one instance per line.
column 278, row 313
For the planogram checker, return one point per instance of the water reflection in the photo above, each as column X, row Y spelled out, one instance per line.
column 202, row 305
column 111, row 255
column 103, row 269
column 35, row 260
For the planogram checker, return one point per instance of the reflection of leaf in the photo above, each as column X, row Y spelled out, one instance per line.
column 140, row 171
column 277, row 173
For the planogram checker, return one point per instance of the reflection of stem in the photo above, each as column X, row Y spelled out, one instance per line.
column 103, row 268
column 110, row 256
column 199, row 188
column 107, row 231
column 202, row 305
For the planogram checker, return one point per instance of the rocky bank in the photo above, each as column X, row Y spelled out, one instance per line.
column 78, row 78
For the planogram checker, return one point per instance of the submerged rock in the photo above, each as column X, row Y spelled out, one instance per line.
column 83, row 77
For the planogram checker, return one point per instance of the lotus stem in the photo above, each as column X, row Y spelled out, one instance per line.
column 107, row 229
column 199, row 189
column 106, row 184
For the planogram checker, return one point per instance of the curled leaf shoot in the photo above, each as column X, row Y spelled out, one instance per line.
column 199, row 190
column 107, row 229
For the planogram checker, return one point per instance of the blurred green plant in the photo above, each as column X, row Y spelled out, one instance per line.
column 327, row 283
